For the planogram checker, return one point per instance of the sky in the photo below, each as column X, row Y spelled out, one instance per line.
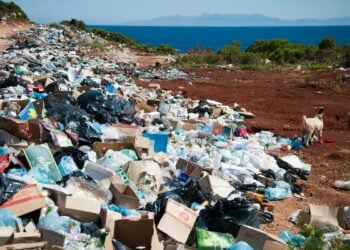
column 122, row 11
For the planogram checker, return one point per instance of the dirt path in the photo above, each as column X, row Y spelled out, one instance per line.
column 8, row 28
column 279, row 100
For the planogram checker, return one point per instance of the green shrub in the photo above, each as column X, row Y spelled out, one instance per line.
column 327, row 43
column 9, row 8
column 164, row 49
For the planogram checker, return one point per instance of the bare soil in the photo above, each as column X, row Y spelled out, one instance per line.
column 279, row 99
column 9, row 28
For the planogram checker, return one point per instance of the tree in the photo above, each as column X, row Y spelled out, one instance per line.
column 327, row 43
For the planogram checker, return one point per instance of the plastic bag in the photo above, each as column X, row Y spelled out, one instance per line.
column 241, row 245
column 342, row 184
column 113, row 160
column 41, row 175
column 79, row 156
column 8, row 218
column 8, row 187
column 61, row 224
column 280, row 190
column 226, row 216
column 207, row 240
column 129, row 153
column 296, row 240
column 67, row 165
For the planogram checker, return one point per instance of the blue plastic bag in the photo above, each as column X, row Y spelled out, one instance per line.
column 280, row 190
column 296, row 240
column 41, row 175
column 8, row 218
column 241, row 245
column 67, row 165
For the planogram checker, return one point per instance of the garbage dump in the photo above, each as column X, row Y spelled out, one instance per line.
column 91, row 161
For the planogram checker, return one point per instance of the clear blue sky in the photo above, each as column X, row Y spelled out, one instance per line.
column 117, row 11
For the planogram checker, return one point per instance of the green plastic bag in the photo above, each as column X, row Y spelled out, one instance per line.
column 129, row 153
column 212, row 240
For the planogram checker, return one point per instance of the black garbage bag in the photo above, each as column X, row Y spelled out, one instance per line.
column 291, row 179
column 246, row 187
column 79, row 175
column 55, row 86
column 268, row 173
column 303, row 174
column 78, row 156
column 265, row 217
column 58, row 98
column 89, row 97
column 7, row 138
column 227, row 216
column 192, row 193
column 86, row 134
column 90, row 83
column 139, row 121
column 158, row 207
column 8, row 187
column 65, row 113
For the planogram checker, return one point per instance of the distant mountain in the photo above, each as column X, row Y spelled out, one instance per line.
column 237, row 20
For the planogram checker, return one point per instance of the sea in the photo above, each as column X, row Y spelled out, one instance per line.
column 214, row 38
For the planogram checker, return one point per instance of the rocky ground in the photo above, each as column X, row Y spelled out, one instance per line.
column 279, row 99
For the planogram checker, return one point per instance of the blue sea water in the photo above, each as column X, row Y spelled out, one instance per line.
column 186, row 38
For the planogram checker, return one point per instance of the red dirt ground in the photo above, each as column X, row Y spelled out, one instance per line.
column 279, row 99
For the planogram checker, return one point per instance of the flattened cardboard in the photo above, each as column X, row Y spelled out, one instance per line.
column 137, row 233
column 27, row 200
column 178, row 221
column 80, row 208
column 129, row 131
column 27, row 246
column 124, row 195
column 52, row 238
column 6, row 234
column 259, row 239
column 321, row 216
column 25, row 237
column 215, row 185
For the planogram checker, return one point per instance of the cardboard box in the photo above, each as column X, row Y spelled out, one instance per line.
column 25, row 237
column 172, row 245
column 259, row 239
column 178, row 221
column 137, row 233
column 124, row 195
column 108, row 217
column 118, row 178
column 190, row 168
column 27, row 200
column 52, row 238
column 215, row 185
column 325, row 217
column 129, row 131
column 187, row 125
column 6, row 234
column 80, row 208
column 145, row 107
column 102, row 147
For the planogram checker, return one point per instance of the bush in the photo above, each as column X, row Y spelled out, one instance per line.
column 79, row 24
column 164, row 49
column 327, row 43
column 230, row 53
column 6, row 9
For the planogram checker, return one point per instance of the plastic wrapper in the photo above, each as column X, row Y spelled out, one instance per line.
column 8, row 187
column 9, row 218
column 207, row 240
column 80, row 187
column 113, row 160
column 41, row 175
column 62, row 224
column 79, row 156
column 67, row 165
column 241, row 245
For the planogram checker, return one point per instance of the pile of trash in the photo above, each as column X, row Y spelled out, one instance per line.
column 88, row 160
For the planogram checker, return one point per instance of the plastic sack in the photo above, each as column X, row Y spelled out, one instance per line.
column 280, row 190
column 226, row 216
column 241, row 245
column 113, row 160
column 129, row 153
column 61, row 224
column 8, row 187
column 207, row 240
column 296, row 240
column 8, row 218
column 79, row 156
column 342, row 184
column 67, row 165
column 41, row 175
